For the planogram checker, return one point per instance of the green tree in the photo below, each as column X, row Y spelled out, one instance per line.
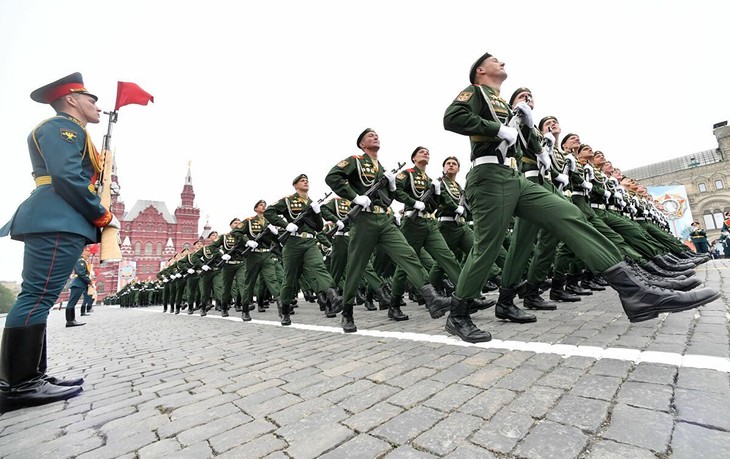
column 7, row 298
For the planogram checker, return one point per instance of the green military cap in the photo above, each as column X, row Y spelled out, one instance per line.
column 517, row 93
column 451, row 157
column 477, row 63
column 264, row 202
column 298, row 178
column 562, row 142
column 416, row 151
column 545, row 120
column 363, row 134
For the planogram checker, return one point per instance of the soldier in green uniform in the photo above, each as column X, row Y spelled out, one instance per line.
column 233, row 272
column 260, row 263
column 203, row 257
column 495, row 192
column 300, row 251
column 350, row 179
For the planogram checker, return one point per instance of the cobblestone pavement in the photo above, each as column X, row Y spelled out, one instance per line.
column 580, row 383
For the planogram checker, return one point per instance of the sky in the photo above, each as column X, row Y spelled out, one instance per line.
column 251, row 94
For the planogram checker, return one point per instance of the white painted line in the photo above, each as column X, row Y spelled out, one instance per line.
column 705, row 362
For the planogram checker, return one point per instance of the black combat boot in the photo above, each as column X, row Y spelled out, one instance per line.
column 558, row 293
column 600, row 281
column 533, row 300
column 348, row 321
column 309, row 296
column 190, row 308
column 571, row 286
column 43, row 366
column 382, row 296
column 283, row 313
column 643, row 301
column 369, row 301
column 322, row 301
column 437, row 305
column 479, row 304
column 260, row 303
column 506, row 309
column 204, row 310
column 394, row 311
column 71, row 318
column 448, row 287
column 657, row 271
column 459, row 323
column 245, row 314
column 164, row 308
column 224, row 309
column 587, row 282
column 670, row 265
column 21, row 383
column 683, row 285
column 334, row 300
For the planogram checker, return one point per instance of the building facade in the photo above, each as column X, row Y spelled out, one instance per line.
column 705, row 176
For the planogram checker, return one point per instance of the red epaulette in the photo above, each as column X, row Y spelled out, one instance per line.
column 410, row 170
column 357, row 156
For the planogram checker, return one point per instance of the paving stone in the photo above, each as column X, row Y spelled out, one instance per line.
column 362, row 446
column 412, row 377
column 324, row 387
column 452, row 397
column 260, row 447
column 311, row 425
column 470, row 452
column 536, row 401
column 408, row 425
column 240, row 435
column 520, row 379
column 654, row 373
column 540, row 442
column 691, row 441
column 408, row 452
column 445, row 436
column 366, row 399
column 704, row 380
column 159, row 449
column 344, row 392
column 513, row 359
column 596, row 386
column 487, row 403
column 611, row 367
column 584, row 413
column 486, row 377
column 417, row 393
column 372, row 417
column 642, row 395
column 639, row 427
column 196, row 451
column 173, row 428
column 64, row 446
column 128, row 444
column 326, row 437
column 707, row 409
column 562, row 377
column 503, row 431
column 606, row 449
column 211, row 429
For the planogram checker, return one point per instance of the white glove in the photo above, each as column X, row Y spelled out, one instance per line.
column 607, row 194
column 589, row 174
column 397, row 218
column 549, row 140
column 543, row 159
column 114, row 187
column 292, row 228
column 570, row 159
column 315, row 207
column 225, row 257
column 562, row 178
column 191, row 271
column 588, row 186
column 419, row 205
column 525, row 113
column 273, row 230
column 363, row 201
column 509, row 134
column 621, row 203
column 632, row 209
column 340, row 225
column 437, row 187
column 391, row 180
column 206, row 268
column 459, row 210
column 252, row 244
column 114, row 223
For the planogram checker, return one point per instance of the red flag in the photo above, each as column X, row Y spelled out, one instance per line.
column 130, row 93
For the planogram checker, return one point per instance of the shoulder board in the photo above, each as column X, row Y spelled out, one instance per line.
column 250, row 218
column 410, row 170
column 357, row 156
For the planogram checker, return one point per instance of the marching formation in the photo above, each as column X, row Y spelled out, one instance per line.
column 536, row 205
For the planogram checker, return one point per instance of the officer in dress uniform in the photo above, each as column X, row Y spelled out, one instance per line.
column 699, row 238
column 79, row 286
column 60, row 217
column 496, row 192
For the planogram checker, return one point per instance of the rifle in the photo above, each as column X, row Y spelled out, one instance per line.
column 258, row 238
column 424, row 199
column 302, row 215
column 356, row 209
column 566, row 169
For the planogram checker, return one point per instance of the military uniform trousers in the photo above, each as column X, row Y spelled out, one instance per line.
column 234, row 280
column 423, row 234
column 377, row 230
column 218, row 286
column 601, row 226
column 205, row 286
column 496, row 193
column 260, row 266
column 48, row 261
column 74, row 297
column 667, row 240
column 302, row 254
column 338, row 264
column 632, row 233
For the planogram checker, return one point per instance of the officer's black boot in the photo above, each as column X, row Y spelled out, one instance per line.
column 224, row 310
column 657, row 271
column 643, row 301
column 322, row 301
column 369, row 301
column 71, row 318
column 359, row 296
column 437, row 305
column 83, row 309
column 448, row 287
column 190, row 307
column 43, row 366
column 571, row 285
column 245, row 314
column 334, row 299
column 394, row 311
column 533, row 300
column 683, row 285
column 459, row 323
column 348, row 321
column 177, row 308
column 479, row 304
column 588, row 283
column 558, row 293
column 670, row 265
column 164, row 308
column 21, row 383
column 260, row 303
column 383, row 298
column 204, row 310
column 283, row 313
column 506, row 309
